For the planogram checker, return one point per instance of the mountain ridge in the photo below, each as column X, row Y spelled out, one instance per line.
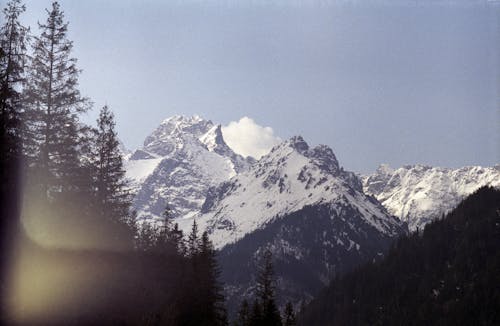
column 418, row 193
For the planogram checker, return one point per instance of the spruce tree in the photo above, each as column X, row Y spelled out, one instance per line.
column 52, row 139
column 113, row 198
column 289, row 315
column 265, row 291
column 209, row 287
column 146, row 238
column 243, row 317
column 169, row 236
column 13, row 38
column 193, row 242
column 178, row 240
column 256, row 314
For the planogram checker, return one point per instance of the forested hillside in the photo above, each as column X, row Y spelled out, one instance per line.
column 449, row 274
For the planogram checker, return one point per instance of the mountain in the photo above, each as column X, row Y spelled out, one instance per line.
column 446, row 275
column 418, row 194
column 311, row 213
column 287, row 179
column 179, row 161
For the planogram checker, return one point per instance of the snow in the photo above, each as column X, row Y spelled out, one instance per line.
column 139, row 170
column 189, row 157
column 418, row 194
column 284, row 181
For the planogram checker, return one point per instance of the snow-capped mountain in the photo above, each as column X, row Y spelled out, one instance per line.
column 178, row 163
column 312, row 214
column 417, row 194
column 296, row 201
column 286, row 180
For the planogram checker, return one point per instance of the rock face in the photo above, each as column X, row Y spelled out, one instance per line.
column 178, row 163
column 417, row 194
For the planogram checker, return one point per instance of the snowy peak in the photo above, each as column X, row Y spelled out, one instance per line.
column 321, row 156
column 287, row 179
column 181, row 159
column 174, row 132
column 298, row 143
column 420, row 193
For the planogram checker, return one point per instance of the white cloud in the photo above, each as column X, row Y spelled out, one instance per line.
column 247, row 138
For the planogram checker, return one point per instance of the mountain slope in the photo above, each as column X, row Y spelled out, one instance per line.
column 418, row 194
column 448, row 275
column 287, row 179
column 178, row 163
column 299, row 203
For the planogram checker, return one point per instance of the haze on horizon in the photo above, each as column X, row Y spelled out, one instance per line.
column 378, row 82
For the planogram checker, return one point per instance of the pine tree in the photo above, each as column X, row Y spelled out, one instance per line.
column 289, row 315
column 209, row 288
column 193, row 242
column 169, row 236
column 178, row 240
column 51, row 133
column 113, row 198
column 256, row 314
column 243, row 317
column 265, row 292
column 13, row 38
column 146, row 238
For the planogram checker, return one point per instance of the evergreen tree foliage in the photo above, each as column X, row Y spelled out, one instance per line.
column 51, row 133
column 256, row 314
column 446, row 275
column 113, row 198
column 13, row 39
column 265, row 291
column 243, row 318
column 264, row 309
column 178, row 240
column 209, row 288
column 193, row 241
column 169, row 237
column 289, row 315
column 77, row 173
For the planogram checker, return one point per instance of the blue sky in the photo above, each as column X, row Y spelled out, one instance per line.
column 379, row 83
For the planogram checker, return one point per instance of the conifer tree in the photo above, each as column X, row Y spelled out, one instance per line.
column 178, row 240
column 265, row 292
column 209, row 288
column 146, row 238
column 193, row 241
column 113, row 198
column 13, row 39
column 289, row 315
column 256, row 314
column 51, row 133
column 169, row 236
column 243, row 317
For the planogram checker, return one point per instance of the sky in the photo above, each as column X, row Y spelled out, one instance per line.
column 379, row 82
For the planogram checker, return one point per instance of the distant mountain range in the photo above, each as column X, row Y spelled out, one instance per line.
column 186, row 164
column 318, row 220
column 418, row 194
